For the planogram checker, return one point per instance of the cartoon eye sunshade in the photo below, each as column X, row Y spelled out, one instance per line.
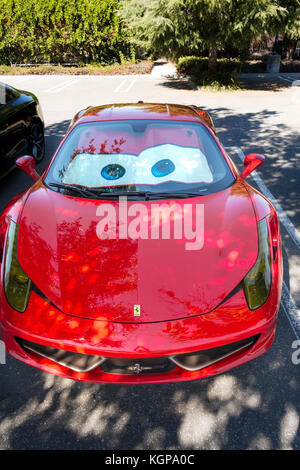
column 162, row 168
column 154, row 165
column 113, row 171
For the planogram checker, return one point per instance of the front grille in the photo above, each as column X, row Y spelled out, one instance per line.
column 137, row 366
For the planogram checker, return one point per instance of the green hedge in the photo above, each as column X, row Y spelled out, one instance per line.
column 223, row 78
column 192, row 65
column 60, row 31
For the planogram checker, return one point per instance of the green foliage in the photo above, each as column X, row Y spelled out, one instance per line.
column 290, row 22
column 176, row 28
column 59, row 31
column 216, row 81
column 132, row 54
column 223, row 78
column 192, row 65
column 142, row 67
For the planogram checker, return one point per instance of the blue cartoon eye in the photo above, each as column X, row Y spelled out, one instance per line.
column 113, row 171
column 162, row 168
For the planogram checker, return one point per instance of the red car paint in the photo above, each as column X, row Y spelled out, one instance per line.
column 179, row 291
column 158, row 274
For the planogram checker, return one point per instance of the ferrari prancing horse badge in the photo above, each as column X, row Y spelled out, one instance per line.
column 136, row 310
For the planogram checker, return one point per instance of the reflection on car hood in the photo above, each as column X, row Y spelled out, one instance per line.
column 85, row 276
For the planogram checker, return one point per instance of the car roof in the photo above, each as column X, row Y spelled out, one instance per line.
column 125, row 111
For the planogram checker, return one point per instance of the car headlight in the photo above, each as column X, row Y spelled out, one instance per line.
column 17, row 285
column 257, row 282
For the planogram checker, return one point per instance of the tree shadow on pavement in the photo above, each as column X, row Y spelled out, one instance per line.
column 263, row 132
column 264, row 84
column 253, row 406
column 248, row 84
column 177, row 83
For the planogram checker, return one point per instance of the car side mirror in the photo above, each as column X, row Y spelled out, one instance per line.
column 27, row 164
column 252, row 161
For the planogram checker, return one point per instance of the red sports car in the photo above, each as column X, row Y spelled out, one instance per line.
column 140, row 255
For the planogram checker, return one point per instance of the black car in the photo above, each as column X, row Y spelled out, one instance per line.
column 21, row 127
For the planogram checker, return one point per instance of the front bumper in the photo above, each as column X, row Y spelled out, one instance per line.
column 43, row 324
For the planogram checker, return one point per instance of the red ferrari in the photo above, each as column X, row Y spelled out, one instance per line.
column 140, row 255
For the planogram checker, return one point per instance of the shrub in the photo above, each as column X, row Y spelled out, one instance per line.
column 58, row 31
column 223, row 78
column 143, row 67
column 192, row 65
column 216, row 81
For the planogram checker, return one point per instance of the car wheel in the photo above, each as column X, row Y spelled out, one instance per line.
column 36, row 141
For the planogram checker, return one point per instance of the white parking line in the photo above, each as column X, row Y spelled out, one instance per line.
column 77, row 80
column 53, row 87
column 290, row 309
column 131, row 85
column 287, row 301
column 61, row 86
column 287, row 79
column 120, row 87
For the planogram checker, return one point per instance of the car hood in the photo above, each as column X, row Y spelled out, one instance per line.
column 82, row 275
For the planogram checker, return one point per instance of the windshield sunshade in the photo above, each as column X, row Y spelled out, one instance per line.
column 166, row 162
column 153, row 156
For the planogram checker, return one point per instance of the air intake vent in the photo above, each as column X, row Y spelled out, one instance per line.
column 200, row 360
column 74, row 361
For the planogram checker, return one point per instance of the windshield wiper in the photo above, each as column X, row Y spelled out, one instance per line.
column 143, row 194
column 79, row 190
column 153, row 195
column 98, row 193
column 176, row 194
column 147, row 195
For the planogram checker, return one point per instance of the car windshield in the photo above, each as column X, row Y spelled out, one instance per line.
column 140, row 156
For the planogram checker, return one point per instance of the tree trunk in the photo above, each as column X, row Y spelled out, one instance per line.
column 291, row 49
column 212, row 56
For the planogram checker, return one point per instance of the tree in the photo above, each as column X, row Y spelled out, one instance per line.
column 289, row 24
column 174, row 28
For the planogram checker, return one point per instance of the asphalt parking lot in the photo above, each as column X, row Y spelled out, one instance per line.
column 255, row 406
